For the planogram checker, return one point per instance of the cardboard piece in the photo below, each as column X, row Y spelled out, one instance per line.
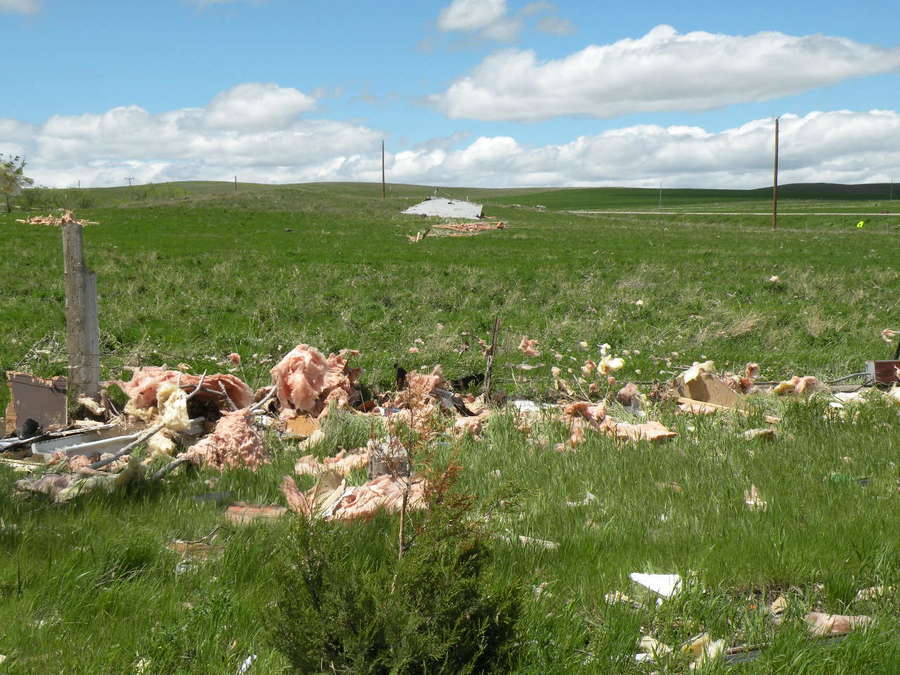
column 301, row 426
column 39, row 405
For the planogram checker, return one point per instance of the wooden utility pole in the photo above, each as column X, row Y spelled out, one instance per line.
column 775, row 183
column 82, row 325
column 382, row 171
column 235, row 183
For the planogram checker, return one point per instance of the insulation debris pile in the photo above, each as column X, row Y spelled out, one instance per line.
column 217, row 421
column 235, row 443
column 306, row 382
column 221, row 391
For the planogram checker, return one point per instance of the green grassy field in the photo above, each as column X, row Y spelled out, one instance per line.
column 188, row 273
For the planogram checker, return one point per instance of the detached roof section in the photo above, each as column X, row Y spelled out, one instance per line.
column 446, row 208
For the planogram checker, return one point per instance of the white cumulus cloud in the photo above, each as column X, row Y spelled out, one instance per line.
column 836, row 146
column 252, row 129
column 493, row 20
column 257, row 106
column 471, row 15
column 20, row 6
column 662, row 71
column 195, row 144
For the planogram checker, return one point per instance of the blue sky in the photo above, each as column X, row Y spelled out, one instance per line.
column 466, row 92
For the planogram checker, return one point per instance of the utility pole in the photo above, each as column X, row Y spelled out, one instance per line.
column 382, row 170
column 660, row 196
column 235, row 183
column 775, row 183
column 130, row 180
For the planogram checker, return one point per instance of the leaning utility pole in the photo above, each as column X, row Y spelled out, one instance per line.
column 382, row 169
column 775, row 183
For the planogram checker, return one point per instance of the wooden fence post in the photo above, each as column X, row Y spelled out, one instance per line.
column 82, row 324
column 489, row 371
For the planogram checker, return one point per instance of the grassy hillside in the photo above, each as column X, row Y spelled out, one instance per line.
column 800, row 197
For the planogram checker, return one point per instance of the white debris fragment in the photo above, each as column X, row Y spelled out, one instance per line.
column 665, row 585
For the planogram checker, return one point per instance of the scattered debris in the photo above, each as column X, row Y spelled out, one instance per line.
column 446, row 208
column 418, row 236
column 798, row 385
column 875, row 592
column 66, row 218
column 778, row 606
column 630, row 397
column 301, row 426
column 834, row 624
column 198, row 549
column 529, row 347
column 664, row 585
column 589, row 498
column 342, row 463
column 331, row 499
column 705, row 650
column 753, row 500
column 242, row 513
column 64, row 487
column 583, row 414
column 530, row 541
column 652, row 648
column 469, row 229
column 700, row 383
column 766, row 434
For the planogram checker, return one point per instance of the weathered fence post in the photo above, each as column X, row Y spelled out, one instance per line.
column 82, row 324
column 489, row 371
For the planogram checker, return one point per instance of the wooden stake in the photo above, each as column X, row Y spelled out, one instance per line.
column 775, row 183
column 489, row 371
column 82, row 324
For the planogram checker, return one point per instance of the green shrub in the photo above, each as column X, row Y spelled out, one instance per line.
column 348, row 604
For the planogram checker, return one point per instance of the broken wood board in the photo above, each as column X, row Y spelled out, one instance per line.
column 242, row 513
column 689, row 405
column 884, row 372
column 708, row 388
column 38, row 404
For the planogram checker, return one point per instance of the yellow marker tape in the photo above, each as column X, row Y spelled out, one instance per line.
column 860, row 224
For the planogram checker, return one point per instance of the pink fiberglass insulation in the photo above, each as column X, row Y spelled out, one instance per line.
column 145, row 382
column 528, row 347
column 234, row 443
column 361, row 502
column 342, row 463
column 307, row 382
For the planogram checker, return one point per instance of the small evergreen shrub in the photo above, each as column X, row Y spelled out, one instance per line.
column 349, row 604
